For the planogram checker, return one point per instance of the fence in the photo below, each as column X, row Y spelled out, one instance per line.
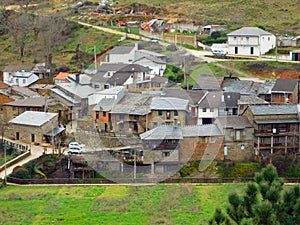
column 138, row 180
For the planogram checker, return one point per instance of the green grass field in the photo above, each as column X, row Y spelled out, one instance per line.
column 158, row 204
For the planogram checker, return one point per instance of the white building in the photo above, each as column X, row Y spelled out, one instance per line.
column 251, row 41
column 122, row 54
column 21, row 78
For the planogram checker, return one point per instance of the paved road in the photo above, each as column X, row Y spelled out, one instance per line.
column 36, row 151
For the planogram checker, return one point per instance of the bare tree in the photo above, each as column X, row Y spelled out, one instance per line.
column 50, row 32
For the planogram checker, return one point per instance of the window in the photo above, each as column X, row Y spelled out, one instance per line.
column 104, row 114
column 212, row 110
column 97, row 115
column 236, row 50
column 168, row 115
column 154, row 124
column 225, row 150
column 212, row 140
column 122, row 117
column 204, row 110
column 166, row 154
column 97, row 86
column 160, row 113
column 237, row 135
column 24, row 81
column 269, row 39
column 175, row 113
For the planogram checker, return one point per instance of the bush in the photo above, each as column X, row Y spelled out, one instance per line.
column 20, row 172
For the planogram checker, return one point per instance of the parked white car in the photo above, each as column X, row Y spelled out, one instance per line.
column 76, row 148
column 219, row 52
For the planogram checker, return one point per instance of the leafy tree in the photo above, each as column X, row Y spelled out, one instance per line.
column 215, row 34
column 264, row 202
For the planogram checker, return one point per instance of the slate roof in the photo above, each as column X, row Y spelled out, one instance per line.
column 285, row 85
column 146, row 52
column 251, row 100
column 231, row 99
column 99, row 78
column 162, row 133
column 208, row 82
column 124, row 49
column 266, row 87
column 25, row 92
column 234, row 122
column 104, row 67
column 193, row 96
column 244, row 87
column 65, row 96
column 105, row 105
column 158, row 79
column 19, row 67
column 168, row 103
column 249, row 31
column 201, row 131
column 119, row 78
column 133, row 104
column 274, row 109
column 151, row 58
column 31, row 118
column 82, row 91
column 32, row 102
column 83, row 79
column 133, row 68
column 212, row 99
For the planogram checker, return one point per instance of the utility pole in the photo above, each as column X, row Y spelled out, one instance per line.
column 134, row 165
column 5, row 178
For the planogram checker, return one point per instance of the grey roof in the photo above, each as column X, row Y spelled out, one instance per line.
column 270, row 121
column 105, row 104
column 274, row 109
column 32, row 102
column 119, row 78
column 99, row 77
column 24, row 91
column 246, row 87
column 266, row 87
column 124, row 49
column 163, row 132
column 133, row 68
column 168, row 103
column 151, row 58
column 285, row 85
column 201, row 131
column 133, row 104
column 82, row 91
column 193, row 96
column 19, row 67
column 251, row 100
column 65, row 96
column 231, row 99
column 83, row 79
column 42, row 86
column 249, row 31
column 158, row 79
column 55, row 131
column 208, row 82
column 235, row 122
column 146, row 52
column 104, row 67
column 31, row 118
column 213, row 99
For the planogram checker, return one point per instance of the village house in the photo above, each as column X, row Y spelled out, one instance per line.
column 246, row 100
column 122, row 54
column 81, row 79
column 10, row 70
column 250, row 41
column 168, row 111
column 4, row 99
column 61, row 78
column 105, row 72
column 35, row 128
column 238, row 138
column 75, row 96
column 276, row 128
column 285, row 91
column 130, row 115
column 265, row 90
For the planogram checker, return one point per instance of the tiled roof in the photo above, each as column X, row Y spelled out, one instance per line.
column 31, row 118
column 32, row 102
column 235, row 122
column 133, row 104
column 163, row 133
column 249, row 31
column 124, row 49
column 62, row 76
column 3, row 85
column 105, row 104
column 168, row 103
column 274, row 109
column 82, row 91
column 201, row 131
column 285, row 85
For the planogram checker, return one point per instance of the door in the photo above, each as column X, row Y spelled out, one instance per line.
column 236, row 50
column 32, row 138
column 251, row 50
column 17, row 135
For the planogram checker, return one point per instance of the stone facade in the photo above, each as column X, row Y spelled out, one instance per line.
column 170, row 117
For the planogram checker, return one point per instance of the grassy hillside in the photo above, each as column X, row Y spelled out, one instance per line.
column 160, row 204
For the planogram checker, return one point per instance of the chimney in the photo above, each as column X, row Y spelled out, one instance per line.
column 77, row 78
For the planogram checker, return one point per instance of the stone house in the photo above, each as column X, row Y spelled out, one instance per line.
column 35, row 128
column 238, row 138
column 285, row 91
column 4, row 99
column 168, row 111
column 276, row 128
column 122, row 54
column 130, row 115
column 250, row 41
column 246, row 100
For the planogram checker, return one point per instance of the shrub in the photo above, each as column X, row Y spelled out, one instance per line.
column 20, row 172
